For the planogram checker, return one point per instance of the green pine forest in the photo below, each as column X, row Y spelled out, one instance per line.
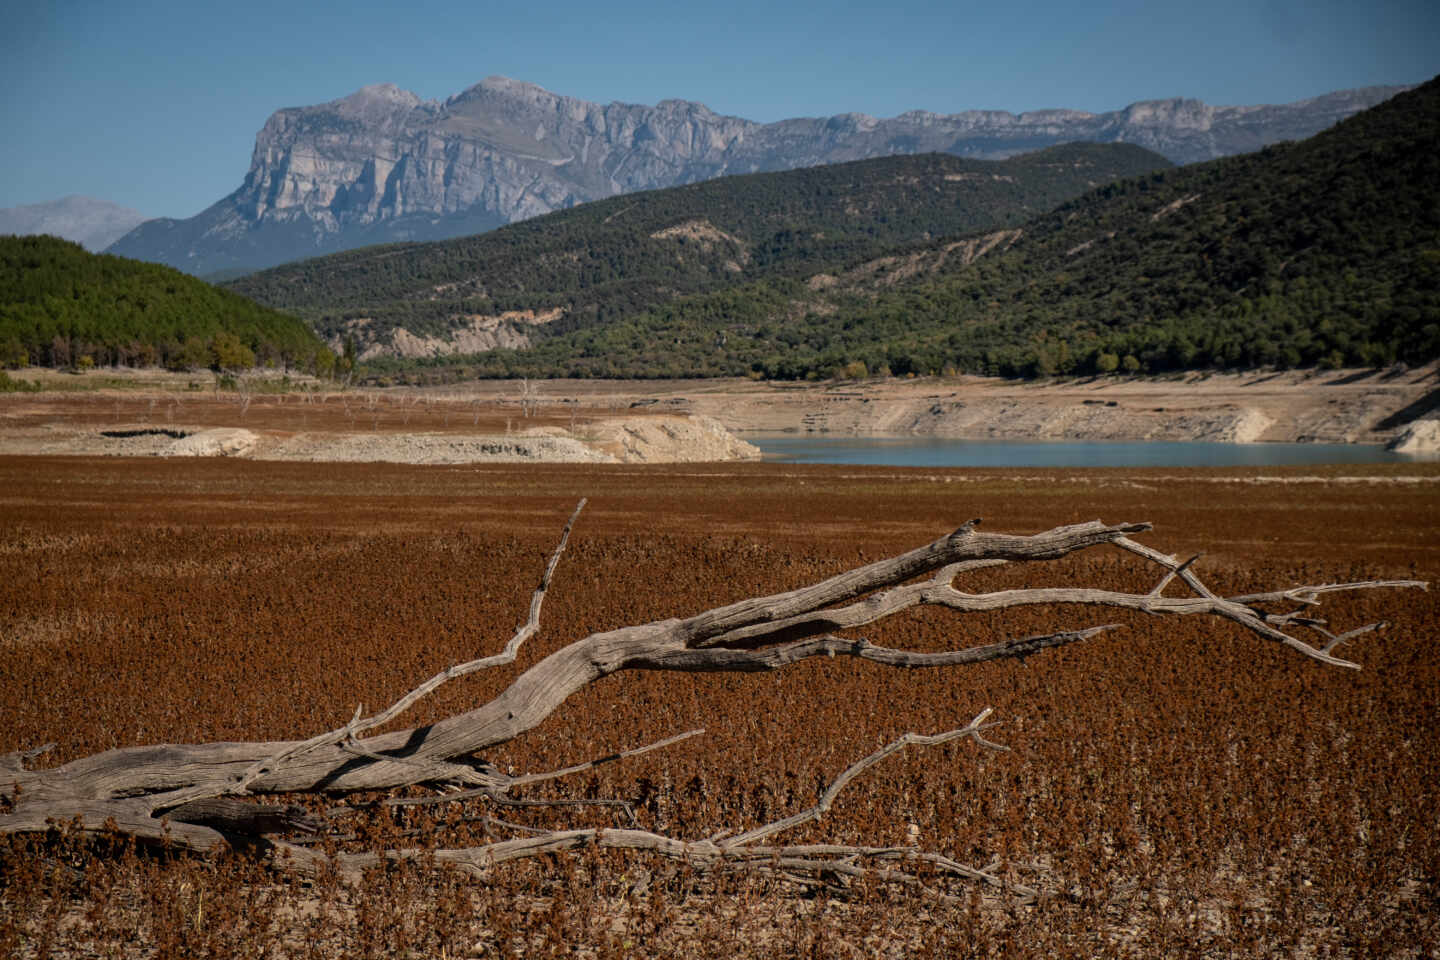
column 63, row 306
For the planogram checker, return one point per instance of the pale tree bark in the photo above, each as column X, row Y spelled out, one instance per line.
column 193, row 796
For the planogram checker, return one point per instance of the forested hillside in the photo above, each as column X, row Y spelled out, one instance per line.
column 1323, row 252
column 62, row 306
column 607, row 261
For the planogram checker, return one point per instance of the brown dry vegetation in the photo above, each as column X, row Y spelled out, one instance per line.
column 1178, row 787
column 386, row 412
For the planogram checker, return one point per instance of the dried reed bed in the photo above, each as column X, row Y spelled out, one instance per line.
column 1177, row 787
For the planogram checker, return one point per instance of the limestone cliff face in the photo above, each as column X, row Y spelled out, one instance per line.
column 512, row 149
column 382, row 164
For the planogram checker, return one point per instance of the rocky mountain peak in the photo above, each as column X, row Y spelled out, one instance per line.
column 498, row 84
column 504, row 93
column 382, row 91
column 379, row 95
column 382, row 106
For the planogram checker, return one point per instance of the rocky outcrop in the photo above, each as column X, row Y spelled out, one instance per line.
column 669, row 439
column 383, row 165
column 1422, row 436
column 470, row 333
column 215, row 442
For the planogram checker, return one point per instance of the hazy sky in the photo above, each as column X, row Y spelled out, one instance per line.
column 155, row 105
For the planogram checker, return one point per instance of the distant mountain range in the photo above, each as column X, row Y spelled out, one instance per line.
column 94, row 224
column 1318, row 253
column 1324, row 252
column 384, row 165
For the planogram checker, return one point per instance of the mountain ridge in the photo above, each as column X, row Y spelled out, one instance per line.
column 94, row 224
column 383, row 164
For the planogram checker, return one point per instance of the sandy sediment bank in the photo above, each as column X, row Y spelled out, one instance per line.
column 659, row 439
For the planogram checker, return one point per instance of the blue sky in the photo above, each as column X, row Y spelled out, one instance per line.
column 155, row 105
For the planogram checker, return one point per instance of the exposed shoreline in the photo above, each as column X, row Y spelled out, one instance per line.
column 143, row 413
column 1289, row 407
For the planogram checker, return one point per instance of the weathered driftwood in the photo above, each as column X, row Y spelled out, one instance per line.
column 189, row 795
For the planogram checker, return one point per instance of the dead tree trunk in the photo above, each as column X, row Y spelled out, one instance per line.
column 190, row 795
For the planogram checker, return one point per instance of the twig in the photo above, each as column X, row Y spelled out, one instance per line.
column 591, row 764
column 1307, row 595
column 972, row 730
column 494, row 792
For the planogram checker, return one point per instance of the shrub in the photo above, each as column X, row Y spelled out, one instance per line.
column 9, row 384
column 229, row 353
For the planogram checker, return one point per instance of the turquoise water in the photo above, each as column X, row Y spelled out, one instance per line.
column 931, row 452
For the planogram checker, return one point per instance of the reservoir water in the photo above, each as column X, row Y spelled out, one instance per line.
column 936, row 452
